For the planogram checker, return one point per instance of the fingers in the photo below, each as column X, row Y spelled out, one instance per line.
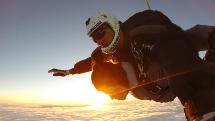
column 52, row 70
column 57, row 72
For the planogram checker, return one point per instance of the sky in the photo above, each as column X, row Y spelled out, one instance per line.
column 37, row 35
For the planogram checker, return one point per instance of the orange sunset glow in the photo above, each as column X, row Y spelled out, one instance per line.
column 62, row 93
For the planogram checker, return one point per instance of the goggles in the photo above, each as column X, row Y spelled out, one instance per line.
column 100, row 33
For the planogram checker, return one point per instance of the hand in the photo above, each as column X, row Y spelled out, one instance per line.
column 58, row 72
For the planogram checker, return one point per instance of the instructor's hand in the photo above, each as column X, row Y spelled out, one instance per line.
column 58, row 72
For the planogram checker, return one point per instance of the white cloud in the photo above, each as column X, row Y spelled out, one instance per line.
column 136, row 110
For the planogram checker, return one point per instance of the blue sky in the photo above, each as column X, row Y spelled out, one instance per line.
column 37, row 35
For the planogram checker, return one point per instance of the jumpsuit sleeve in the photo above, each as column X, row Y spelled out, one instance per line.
column 87, row 64
column 82, row 66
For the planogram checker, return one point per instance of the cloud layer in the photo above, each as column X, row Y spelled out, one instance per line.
column 119, row 111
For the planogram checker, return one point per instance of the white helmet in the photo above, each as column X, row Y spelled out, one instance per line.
column 96, row 21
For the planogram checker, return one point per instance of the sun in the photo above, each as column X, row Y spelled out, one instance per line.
column 80, row 90
column 98, row 98
column 85, row 95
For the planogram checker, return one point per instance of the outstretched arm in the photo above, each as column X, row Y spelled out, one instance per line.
column 80, row 67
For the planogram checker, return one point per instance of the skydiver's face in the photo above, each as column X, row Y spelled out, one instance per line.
column 103, row 36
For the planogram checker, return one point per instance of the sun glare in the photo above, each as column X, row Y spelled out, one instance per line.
column 64, row 91
column 97, row 107
column 78, row 89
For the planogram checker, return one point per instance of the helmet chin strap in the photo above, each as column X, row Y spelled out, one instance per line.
column 110, row 49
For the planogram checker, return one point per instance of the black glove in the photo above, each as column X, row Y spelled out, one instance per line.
column 58, row 72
